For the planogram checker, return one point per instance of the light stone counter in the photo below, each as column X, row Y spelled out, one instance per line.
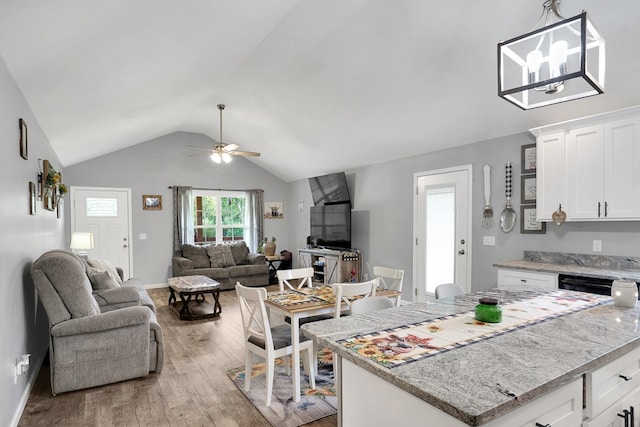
column 485, row 380
column 598, row 266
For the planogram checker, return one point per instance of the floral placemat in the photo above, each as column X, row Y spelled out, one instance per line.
column 408, row 343
column 288, row 298
column 324, row 292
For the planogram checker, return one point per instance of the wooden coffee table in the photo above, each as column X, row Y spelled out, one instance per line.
column 193, row 305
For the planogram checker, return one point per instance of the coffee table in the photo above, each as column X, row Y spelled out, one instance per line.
column 193, row 305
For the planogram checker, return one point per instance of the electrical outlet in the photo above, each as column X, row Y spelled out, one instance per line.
column 597, row 246
column 489, row 240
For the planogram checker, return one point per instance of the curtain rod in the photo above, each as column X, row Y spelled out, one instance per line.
column 208, row 189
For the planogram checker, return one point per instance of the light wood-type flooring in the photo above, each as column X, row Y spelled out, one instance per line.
column 192, row 390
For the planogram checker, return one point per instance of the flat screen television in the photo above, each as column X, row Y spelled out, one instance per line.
column 331, row 226
column 329, row 189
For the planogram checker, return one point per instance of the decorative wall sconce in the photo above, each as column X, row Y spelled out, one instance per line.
column 51, row 187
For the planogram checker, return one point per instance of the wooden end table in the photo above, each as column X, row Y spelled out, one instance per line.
column 273, row 278
column 193, row 304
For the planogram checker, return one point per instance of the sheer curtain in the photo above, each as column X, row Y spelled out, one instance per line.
column 253, row 220
column 183, row 217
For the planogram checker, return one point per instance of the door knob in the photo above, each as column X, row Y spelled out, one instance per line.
column 461, row 251
column 462, row 242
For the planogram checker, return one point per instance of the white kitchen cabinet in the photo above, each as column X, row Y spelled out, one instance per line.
column 558, row 408
column 528, row 279
column 550, row 174
column 590, row 167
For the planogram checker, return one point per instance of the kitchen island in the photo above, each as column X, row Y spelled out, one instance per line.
column 486, row 382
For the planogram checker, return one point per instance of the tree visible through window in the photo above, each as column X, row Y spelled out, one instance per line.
column 218, row 216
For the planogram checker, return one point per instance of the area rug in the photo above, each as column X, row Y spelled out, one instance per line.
column 284, row 412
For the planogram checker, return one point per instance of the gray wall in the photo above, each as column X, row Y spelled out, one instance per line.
column 382, row 219
column 150, row 168
column 23, row 323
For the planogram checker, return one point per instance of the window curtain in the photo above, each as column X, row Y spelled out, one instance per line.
column 183, row 217
column 253, row 220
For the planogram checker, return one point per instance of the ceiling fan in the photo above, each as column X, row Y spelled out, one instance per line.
column 222, row 152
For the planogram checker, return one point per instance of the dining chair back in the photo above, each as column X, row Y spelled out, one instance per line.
column 268, row 342
column 304, row 276
column 449, row 290
column 348, row 292
column 366, row 305
column 390, row 278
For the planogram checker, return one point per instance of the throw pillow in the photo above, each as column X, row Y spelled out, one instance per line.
column 101, row 280
column 104, row 265
column 240, row 253
column 197, row 254
column 220, row 256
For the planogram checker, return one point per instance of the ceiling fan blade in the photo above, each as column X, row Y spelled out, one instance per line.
column 201, row 148
column 244, row 153
column 200, row 154
column 230, row 147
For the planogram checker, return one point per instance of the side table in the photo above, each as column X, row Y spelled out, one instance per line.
column 194, row 287
column 273, row 267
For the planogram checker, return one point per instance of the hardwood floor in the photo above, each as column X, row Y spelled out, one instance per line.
column 193, row 388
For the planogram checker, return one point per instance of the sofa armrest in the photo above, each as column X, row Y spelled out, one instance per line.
column 111, row 299
column 256, row 259
column 129, row 316
column 181, row 264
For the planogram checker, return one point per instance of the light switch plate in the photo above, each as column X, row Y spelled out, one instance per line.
column 489, row 240
column 143, row 236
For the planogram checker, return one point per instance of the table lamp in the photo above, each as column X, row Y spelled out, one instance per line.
column 80, row 242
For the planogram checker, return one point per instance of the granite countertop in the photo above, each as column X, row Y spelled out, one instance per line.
column 482, row 381
column 598, row 266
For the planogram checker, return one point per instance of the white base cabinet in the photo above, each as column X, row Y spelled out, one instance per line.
column 527, row 279
column 559, row 408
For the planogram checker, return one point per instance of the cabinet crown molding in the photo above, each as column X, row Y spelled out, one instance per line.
column 586, row 121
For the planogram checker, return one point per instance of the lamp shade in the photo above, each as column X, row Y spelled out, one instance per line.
column 82, row 241
column 557, row 63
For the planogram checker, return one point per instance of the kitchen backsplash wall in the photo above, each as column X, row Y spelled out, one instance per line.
column 586, row 260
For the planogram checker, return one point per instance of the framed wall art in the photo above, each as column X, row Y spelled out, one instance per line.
column 528, row 160
column 32, row 198
column 273, row 210
column 528, row 223
column 152, row 202
column 24, row 143
column 527, row 189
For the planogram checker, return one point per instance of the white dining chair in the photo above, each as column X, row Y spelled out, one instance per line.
column 346, row 293
column 390, row 278
column 266, row 341
column 448, row 290
column 367, row 305
column 304, row 276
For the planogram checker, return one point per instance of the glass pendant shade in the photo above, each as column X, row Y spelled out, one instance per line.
column 216, row 157
column 226, row 157
column 557, row 63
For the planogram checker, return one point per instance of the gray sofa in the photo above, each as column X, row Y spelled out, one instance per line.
column 227, row 263
column 97, row 336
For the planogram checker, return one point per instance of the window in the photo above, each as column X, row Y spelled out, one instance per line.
column 218, row 216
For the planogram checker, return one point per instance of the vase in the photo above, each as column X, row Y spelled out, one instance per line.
column 269, row 249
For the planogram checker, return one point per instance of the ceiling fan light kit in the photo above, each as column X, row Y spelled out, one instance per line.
column 555, row 62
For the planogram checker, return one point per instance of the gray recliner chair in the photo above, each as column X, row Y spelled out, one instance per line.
column 91, row 344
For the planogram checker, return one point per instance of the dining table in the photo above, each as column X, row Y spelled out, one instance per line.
column 307, row 302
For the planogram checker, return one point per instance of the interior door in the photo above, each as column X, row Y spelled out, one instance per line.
column 442, row 252
column 106, row 213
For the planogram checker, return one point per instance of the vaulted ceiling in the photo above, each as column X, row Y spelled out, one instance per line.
column 315, row 86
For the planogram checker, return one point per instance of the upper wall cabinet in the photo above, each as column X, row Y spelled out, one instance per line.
column 590, row 167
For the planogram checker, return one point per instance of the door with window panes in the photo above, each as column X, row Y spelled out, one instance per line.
column 218, row 216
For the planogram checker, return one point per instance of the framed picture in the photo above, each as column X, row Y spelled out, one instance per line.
column 152, row 202
column 273, row 210
column 527, row 189
column 528, row 161
column 528, row 224
column 24, row 146
column 32, row 198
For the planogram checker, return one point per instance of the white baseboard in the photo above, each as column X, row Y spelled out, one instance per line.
column 156, row 286
column 33, row 375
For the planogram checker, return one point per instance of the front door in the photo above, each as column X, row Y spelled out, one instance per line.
column 442, row 252
column 106, row 213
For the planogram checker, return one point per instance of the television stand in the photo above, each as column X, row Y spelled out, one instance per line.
column 332, row 266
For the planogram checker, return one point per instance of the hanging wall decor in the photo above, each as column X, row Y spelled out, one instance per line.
column 32, row 198
column 152, row 202
column 24, row 146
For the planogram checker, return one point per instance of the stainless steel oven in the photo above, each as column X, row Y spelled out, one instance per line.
column 585, row 284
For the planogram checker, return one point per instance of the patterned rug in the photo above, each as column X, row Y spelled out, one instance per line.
column 284, row 412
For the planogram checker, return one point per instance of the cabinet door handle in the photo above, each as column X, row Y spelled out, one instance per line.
column 606, row 208
column 523, row 280
column 632, row 415
column 598, row 209
column 548, row 425
column 626, row 378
